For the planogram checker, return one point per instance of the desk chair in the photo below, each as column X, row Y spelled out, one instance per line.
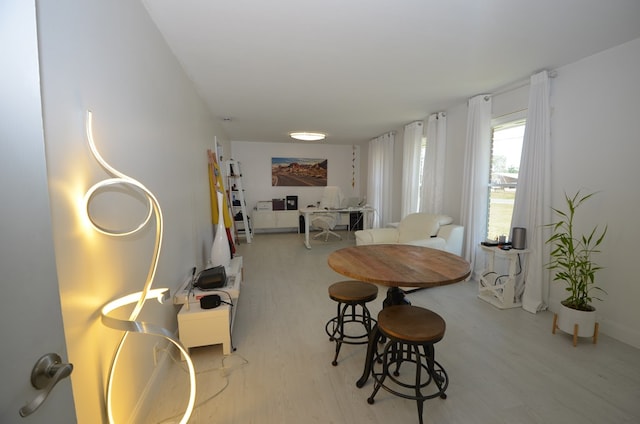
column 332, row 198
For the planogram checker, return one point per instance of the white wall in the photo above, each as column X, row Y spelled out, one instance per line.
column 595, row 147
column 107, row 56
column 343, row 161
column 454, row 168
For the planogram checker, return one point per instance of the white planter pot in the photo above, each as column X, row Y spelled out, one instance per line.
column 577, row 323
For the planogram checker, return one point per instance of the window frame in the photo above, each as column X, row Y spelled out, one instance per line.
column 499, row 123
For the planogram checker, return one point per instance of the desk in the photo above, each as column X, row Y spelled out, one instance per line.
column 395, row 266
column 307, row 212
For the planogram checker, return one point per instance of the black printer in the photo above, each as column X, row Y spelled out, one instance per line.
column 211, row 278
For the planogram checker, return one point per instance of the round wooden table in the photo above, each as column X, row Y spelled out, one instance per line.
column 395, row 266
column 399, row 265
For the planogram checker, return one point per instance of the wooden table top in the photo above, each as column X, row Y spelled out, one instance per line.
column 399, row 265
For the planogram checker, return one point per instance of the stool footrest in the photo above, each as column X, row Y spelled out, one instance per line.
column 340, row 328
column 332, row 328
column 431, row 373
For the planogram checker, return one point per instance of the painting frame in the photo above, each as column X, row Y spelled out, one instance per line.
column 298, row 172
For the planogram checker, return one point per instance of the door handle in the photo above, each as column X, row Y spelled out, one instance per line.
column 46, row 373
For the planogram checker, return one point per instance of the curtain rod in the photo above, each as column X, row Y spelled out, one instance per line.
column 518, row 84
column 389, row 133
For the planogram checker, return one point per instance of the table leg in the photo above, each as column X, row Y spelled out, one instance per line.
column 374, row 338
column 306, row 231
column 395, row 296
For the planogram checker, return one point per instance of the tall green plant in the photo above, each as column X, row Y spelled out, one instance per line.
column 571, row 255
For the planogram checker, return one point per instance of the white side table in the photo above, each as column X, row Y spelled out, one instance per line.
column 203, row 327
column 499, row 289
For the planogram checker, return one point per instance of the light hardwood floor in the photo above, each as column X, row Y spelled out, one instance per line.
column 504, row 366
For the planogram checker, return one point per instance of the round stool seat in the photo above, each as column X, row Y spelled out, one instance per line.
column 411, row 324
column 353, row 292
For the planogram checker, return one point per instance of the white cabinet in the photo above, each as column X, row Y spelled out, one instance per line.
column 203, row 327
column 268, row 220
column 287, row 219
column 263, row 219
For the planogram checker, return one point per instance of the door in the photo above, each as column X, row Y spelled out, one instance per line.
column 30, row 316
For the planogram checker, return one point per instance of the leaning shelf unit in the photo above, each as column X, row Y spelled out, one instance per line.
column 236, row 199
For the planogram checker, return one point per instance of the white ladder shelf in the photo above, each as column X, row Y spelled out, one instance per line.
column 235, row 196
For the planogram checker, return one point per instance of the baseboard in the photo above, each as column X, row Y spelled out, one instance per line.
column 624, row 334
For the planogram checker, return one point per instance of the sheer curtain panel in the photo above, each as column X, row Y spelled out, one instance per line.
column 380, row 178
column 412, row 143
column 532, row 208
column 476, row 178
column 432, row 190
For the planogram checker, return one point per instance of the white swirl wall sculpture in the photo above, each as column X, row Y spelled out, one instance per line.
column 132, row 325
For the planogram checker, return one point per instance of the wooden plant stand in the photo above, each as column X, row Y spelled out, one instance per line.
column 596, row 326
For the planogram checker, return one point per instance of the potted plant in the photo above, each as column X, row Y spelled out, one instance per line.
column 571, row 259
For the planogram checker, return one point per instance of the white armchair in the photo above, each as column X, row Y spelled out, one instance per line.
column 418, row 229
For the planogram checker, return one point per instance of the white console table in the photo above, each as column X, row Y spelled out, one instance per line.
column 499, row 289
column 203, row 327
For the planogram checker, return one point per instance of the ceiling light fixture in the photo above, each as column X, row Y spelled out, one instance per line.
column 307, row 136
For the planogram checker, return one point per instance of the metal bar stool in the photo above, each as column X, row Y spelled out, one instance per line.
column 411, row 332
column 350, row 295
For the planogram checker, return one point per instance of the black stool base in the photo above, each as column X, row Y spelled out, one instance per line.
column 428, row 377
column 335, row 327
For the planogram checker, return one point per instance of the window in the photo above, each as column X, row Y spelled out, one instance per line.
column 506, row 148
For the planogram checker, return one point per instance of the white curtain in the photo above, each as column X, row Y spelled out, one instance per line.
column 432, row 190
column 380, row 178
column 475, row 187
column 411, row 148
column 532, row 209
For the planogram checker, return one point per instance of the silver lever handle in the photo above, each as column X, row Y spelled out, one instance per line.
column 46, row 373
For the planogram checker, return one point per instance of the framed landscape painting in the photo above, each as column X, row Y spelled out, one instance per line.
column 298, row 172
